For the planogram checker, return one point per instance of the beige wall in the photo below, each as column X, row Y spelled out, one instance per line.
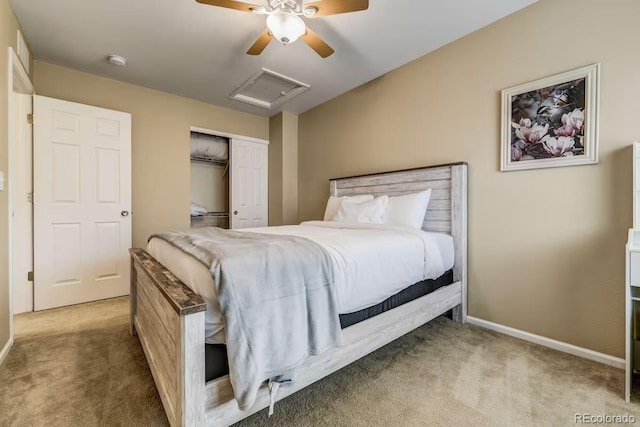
column 283, row 169
column 8, row 37
column 275, row 170
column 161, row 139
column 546, row 247
column 289, row 168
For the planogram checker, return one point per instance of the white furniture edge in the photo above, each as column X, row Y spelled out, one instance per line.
column 632, row 284
column 631, row 275
column 564, row 347
column 628, row 315
column 636, row 173
column 5, row 351
column 168, row 317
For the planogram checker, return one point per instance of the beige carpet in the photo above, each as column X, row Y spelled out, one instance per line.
column 77, row 366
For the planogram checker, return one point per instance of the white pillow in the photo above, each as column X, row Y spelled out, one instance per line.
column 371, row 211
column 408, row 210
column 334, row 203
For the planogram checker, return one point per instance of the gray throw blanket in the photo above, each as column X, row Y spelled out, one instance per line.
column 277, row 299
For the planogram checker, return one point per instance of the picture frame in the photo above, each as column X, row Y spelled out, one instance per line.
column 551, row 122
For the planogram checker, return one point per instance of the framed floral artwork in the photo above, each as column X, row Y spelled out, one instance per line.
column 551, row 122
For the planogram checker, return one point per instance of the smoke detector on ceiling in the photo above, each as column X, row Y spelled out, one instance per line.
column 117, row 60
column 268, row 89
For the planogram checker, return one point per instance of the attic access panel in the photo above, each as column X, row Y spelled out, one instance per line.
column 268, row 89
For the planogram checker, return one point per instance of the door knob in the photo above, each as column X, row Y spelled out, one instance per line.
column 124, row 213
column 235, row 212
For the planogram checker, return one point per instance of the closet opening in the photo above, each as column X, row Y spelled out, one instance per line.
column 209, row 180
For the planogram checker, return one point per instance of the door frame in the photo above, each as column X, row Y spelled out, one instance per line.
column 18, row 81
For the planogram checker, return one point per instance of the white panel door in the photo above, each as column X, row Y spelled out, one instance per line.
column 82, row 199
column 249, row 184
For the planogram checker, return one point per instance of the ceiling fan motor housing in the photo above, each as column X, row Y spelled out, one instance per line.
column 292, row 5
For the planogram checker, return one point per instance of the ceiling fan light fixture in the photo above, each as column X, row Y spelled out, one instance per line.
column 285, row 26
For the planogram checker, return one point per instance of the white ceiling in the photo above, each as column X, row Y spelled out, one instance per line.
column 198, row 51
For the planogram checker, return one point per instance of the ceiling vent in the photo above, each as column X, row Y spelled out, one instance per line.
column 268, row 89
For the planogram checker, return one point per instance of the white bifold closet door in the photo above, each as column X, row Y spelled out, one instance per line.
column 249, row 184
column 82, row 203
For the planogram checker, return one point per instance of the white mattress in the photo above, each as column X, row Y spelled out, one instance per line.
column 372, row 263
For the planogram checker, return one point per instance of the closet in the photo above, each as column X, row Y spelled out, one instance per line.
column 209, row 181
column 229, row 180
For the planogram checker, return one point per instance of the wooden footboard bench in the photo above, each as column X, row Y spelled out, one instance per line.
column 169, row 318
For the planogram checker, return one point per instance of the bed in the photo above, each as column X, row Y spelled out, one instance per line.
column 174, row 318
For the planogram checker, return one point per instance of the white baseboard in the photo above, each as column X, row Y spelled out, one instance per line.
column 585, row 353
column 5, row 351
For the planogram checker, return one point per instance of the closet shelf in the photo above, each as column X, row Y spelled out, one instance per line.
column 212, row 214
column 210, row 160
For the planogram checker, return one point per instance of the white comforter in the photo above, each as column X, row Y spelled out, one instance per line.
column 372, row 263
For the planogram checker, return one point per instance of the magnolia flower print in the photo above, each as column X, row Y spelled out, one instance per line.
column 559, row 147
column 565, row 131
column 548, row 122
column 572, row 123
column 529, row 132
column 516, row 153
column 574, row 120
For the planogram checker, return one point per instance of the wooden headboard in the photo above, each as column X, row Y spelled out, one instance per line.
column 447, row 211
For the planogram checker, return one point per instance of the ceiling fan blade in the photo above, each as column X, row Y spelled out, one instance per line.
column 261, row 43
column 317, row 44
column 334, row 7
column 229, row 4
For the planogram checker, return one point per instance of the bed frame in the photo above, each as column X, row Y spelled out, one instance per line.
column 169, row 318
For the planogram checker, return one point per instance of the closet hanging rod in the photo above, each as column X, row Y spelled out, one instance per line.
column 209, row 160
column 212, row 214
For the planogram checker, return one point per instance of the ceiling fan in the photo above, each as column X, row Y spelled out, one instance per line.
column 285, row 24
